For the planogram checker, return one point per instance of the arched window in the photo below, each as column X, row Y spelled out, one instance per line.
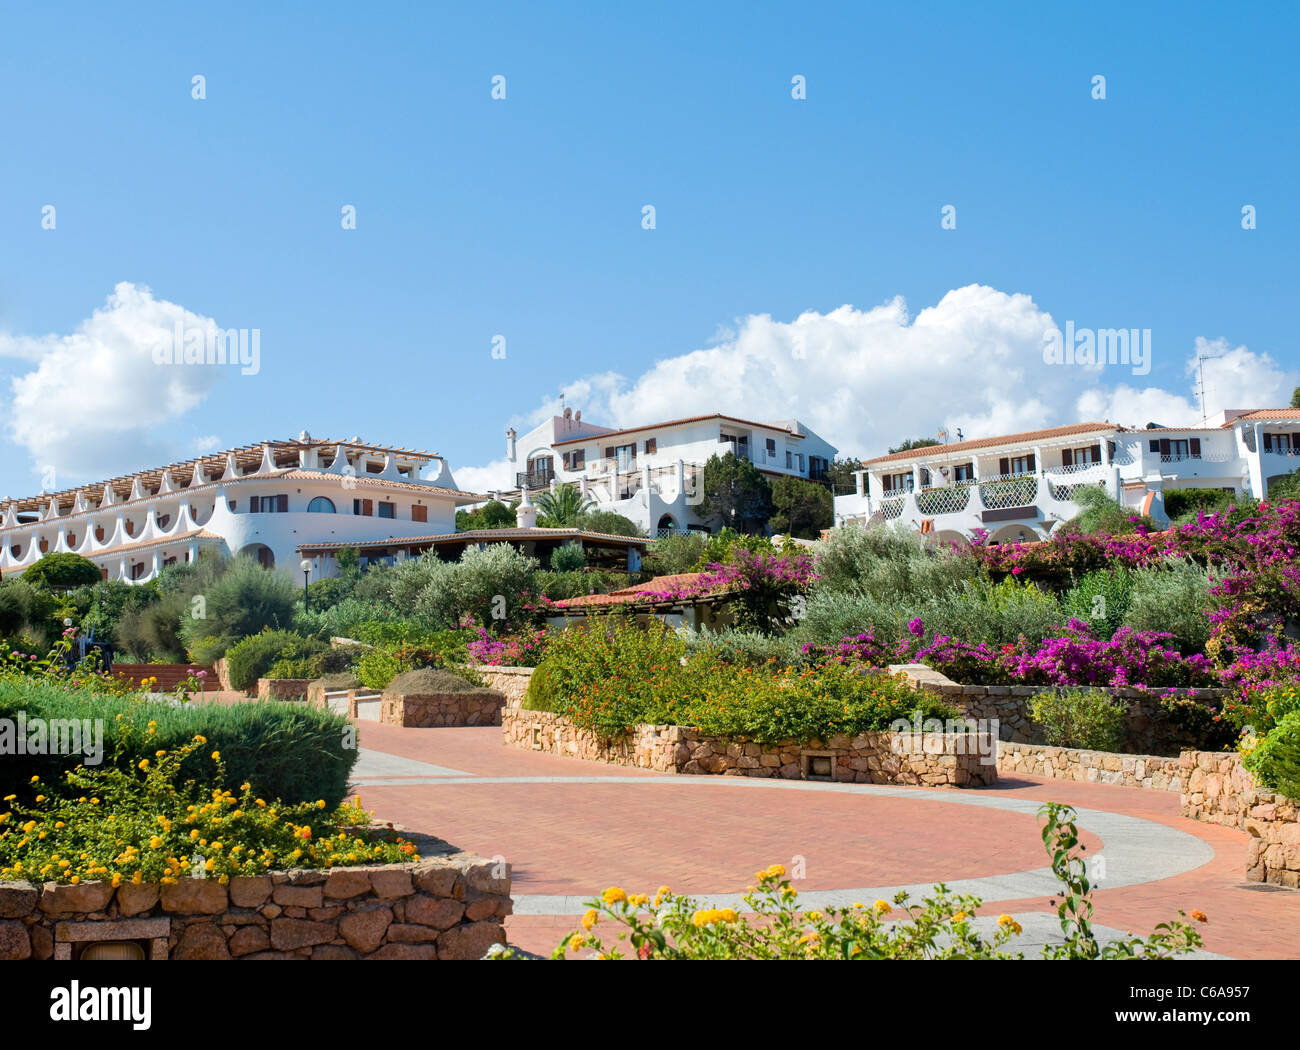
column 321, row 505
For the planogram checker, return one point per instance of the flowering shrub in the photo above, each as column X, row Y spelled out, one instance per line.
column 523, row 648
column 1275, row 757
column 764, row 585
column 613, row 675
column 149, row 825
column 942, row 926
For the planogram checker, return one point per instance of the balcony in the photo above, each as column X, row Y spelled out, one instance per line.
column 534, row 479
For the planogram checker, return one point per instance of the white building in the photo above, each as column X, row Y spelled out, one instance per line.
column 650, row 474
column 261, row 500
column 1020, row 486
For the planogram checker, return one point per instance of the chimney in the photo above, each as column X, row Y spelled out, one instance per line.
column 510, row 444
column 526, row 513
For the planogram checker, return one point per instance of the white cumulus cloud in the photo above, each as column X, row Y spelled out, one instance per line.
column 94, row 399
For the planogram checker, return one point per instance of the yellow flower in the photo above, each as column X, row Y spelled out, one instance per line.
column 590, row 919
column 814, row 916
column 959, row 917
column 216, row 755
column 155, row 842
column 576, row 942
column 29, row 826
column 40, row 798
column 143, row 764
column 613, row 895
column 1008, row 923
column 882, row 907
column 775, row 871
column 194, row 833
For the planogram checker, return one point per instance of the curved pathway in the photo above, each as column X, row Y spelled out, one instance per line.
column 570, row 828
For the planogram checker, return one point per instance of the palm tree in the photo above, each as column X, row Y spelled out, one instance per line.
column 563, row 506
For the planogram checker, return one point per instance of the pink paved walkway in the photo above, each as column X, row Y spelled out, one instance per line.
column 708, row 835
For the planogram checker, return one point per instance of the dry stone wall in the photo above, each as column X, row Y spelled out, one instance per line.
column 448, row 907
column 936, row 760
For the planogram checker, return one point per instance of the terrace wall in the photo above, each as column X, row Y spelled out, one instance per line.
column 512, row 681
column 935, row 760
column 472, row 707
column 437, row 908
column 1149, row 729
column 282, row 688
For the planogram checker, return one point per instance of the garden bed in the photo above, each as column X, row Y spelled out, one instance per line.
column 447, row 907
column 931, row 760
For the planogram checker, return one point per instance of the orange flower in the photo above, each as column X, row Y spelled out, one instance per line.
column 1199, row 915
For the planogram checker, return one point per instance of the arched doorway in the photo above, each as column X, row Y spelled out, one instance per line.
column 667, row 524
column 261, row 552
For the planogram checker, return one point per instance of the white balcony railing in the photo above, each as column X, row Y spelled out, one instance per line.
column 950, row 499
column 1008, row 490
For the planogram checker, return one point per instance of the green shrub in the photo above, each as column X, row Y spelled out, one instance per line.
column 1101, row 599
column 889, row 564
column 440, row 594
column 292, row 667
column 377, row 667
column 1174, row 599
column 721, row 546
column 285, row 751
column 338, row 659
column 1085, row 718
column 674, row 554
column 745, row 648
column 610, row 523
column 1185, row 504
column 1275, row 760
column 13, row 610
column 251, row 659
column 542, row 694
column 62, row 570
column 568, row 558
column 239, row 598
column 1103, row 513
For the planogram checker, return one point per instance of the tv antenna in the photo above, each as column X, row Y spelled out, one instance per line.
column 1201, row 358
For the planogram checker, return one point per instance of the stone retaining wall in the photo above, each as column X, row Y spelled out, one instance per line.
column 935, row 760
column 473, row 707
column 438, row 908
column 1157, row 772
column 169, row 675
column 1149, row 727
column 1220, row 791
column 282, row 688
column 512, row 681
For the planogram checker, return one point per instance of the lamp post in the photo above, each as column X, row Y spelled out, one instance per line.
column 305, row 566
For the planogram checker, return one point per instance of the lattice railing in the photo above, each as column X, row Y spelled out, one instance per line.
column 949, row 499
column 889, row 509
column 1065, row 491
column 1009, row 490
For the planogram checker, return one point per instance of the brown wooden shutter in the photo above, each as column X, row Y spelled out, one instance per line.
column 1194, row 446
column 99, row 533
column 419, row 512
column 1295, row 442
column 1032, row 467
column 1268, row 442
column 1004, row 465
column 254, row 504
column 130, row 527
column 1164, row 447
column 367, row 506
column 282, row 504
column 609, row 451
column 1067, row 457
column 1096, row 453
column 72, row 539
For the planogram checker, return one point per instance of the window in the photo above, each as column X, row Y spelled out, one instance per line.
column 898, row 483
column 321, row 505
column 363, row 506
column 419, row 512
column 963, row 472
column 817, row 467
column 1282, row 444
column 771, row 450
column 1081, row 457
column 1016, row 465
column 624, row 457
column 387, row 510
column 575, row 460
column 799, row 457
column 789, row 457
column 651, row 446
column 268, row 504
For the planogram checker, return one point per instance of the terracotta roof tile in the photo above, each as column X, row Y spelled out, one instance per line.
column 990, row 442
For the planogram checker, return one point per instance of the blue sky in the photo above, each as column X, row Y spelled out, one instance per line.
column 522, row 217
